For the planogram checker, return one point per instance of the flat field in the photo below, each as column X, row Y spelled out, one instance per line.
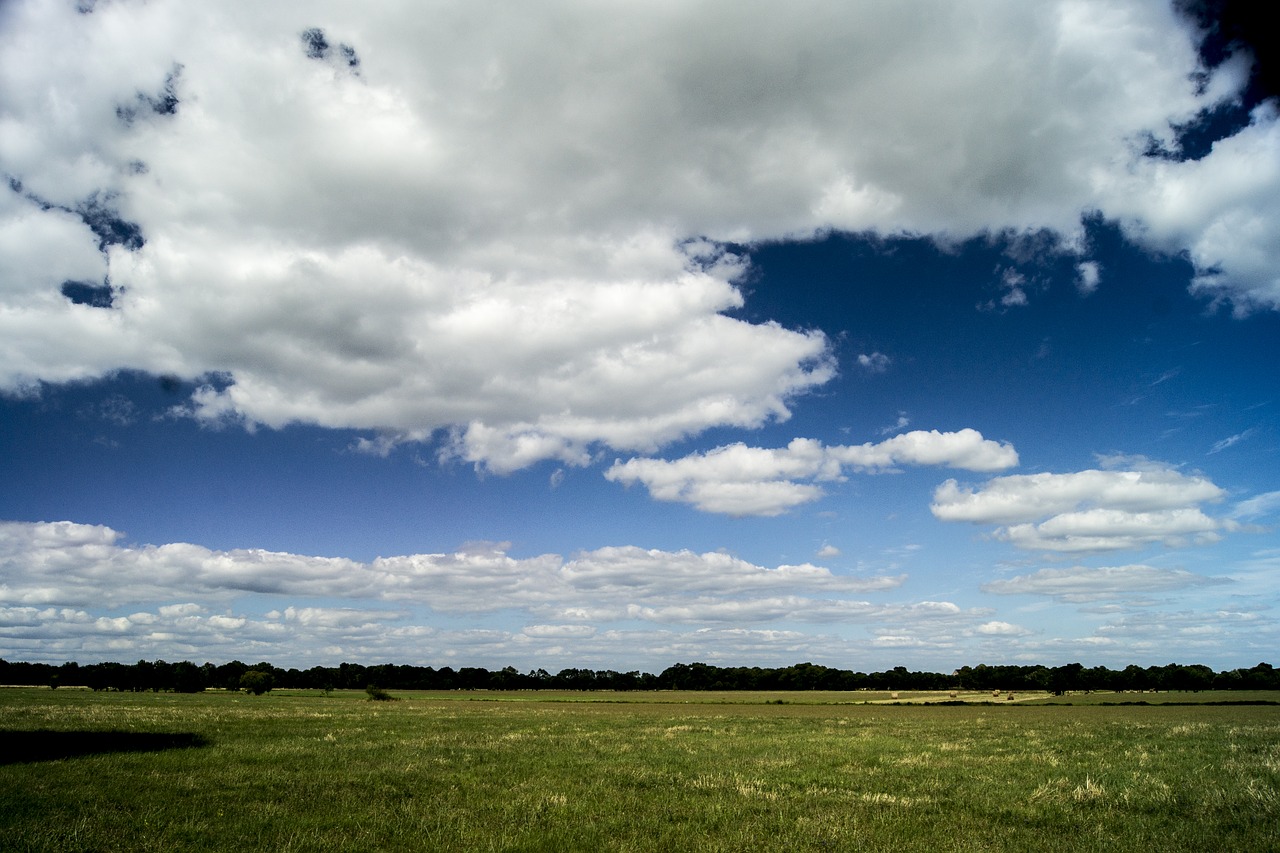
column 645, row 771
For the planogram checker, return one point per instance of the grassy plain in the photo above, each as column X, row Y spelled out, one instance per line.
column 636, row 772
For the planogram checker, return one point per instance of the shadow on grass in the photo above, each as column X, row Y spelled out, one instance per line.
column 20, row 747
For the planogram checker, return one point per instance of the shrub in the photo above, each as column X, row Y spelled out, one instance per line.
column 377, row 694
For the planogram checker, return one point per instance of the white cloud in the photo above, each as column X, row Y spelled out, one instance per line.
column 1216, row 209
column 965, row 448
column 345, row 618
column 479, row 236
column 1112, row 529
column 826, row 552
column 739, row 480
column 1001, row 629
column 734, row 479
column 1094, row 510
column 876, row 362
column 1082, row 584
column 559, row 632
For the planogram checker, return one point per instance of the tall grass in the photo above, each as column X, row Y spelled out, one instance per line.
column 677, row 772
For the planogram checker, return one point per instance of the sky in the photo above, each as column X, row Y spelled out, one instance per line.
column 613, row 335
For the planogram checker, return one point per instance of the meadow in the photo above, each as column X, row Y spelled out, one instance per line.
column 300, row 770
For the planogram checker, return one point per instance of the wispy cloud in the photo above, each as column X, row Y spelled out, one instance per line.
column 1258, row 506
column 902, row 423
column 1080, row 584
column 1219, row 446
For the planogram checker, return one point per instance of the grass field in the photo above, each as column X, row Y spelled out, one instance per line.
column 646, row 771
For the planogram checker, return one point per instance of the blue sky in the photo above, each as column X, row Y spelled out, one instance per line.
column 613, row 336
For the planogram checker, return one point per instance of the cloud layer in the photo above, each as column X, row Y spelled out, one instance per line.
column 69, row 564
column 512, row 230
column 78, row 590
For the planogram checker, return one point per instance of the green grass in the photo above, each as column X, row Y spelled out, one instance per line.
column 662, row 771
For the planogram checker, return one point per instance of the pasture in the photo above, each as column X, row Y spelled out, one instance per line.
column 297, row 770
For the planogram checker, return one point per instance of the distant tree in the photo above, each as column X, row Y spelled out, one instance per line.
column 1065, row 678
column 229, row 674
column 472, row 678
column 161, row 677
column 351, row 676
column 144, row 676
column 188, row 678
column 256, row 681
column 1134, row 677
column 1262, row 677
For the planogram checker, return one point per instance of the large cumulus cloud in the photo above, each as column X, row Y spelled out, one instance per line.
column 509, row 225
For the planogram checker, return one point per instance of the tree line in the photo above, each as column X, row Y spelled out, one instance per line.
column 187, row 677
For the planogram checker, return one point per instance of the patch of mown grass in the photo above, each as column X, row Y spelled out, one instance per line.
column 430, row 772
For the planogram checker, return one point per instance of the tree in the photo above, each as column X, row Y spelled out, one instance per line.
column 256, row 681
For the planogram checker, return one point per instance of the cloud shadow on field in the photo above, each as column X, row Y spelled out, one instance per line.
column 25, row 747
